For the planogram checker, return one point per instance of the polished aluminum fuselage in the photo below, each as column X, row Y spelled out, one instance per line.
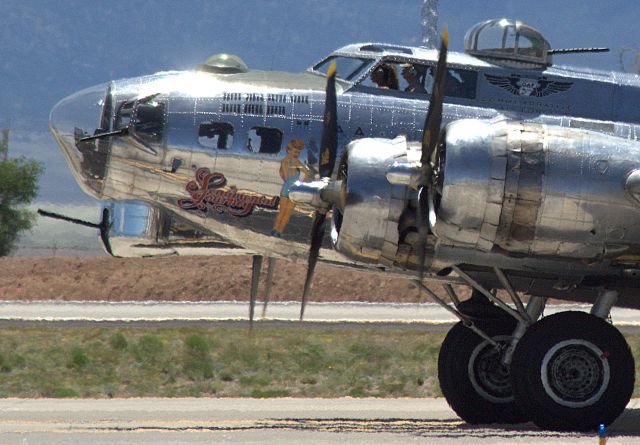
column 576, row 183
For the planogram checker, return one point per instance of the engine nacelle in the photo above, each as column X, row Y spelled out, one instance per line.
column 535, row 189
column 509, row 187
column 366, row 229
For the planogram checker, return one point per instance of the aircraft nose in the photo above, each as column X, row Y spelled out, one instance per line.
column 83, row 114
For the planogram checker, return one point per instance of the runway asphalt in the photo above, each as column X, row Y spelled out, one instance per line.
column 271, row 421
column 264, row 421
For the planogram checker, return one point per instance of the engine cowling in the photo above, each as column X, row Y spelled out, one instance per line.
column 538, row 189
column 366, row 229
column 520, row 189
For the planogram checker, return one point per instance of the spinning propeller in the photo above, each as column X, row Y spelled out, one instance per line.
column 328, row 154
column 430, row 140
column 326, row 188
column 321, row 194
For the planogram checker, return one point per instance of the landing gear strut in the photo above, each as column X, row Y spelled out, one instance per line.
column 570, row 371
column 473, row 379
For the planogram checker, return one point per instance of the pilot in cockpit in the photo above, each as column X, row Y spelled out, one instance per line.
column 414, row 75
column 384, row 76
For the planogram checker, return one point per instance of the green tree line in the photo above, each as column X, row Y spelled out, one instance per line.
column 18, row 187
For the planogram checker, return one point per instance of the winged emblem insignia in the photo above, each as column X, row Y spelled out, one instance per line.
column 527, row 86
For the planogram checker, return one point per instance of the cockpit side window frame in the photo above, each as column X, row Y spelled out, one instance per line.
column 469, row 75
column 355, row 73
column 145, row 131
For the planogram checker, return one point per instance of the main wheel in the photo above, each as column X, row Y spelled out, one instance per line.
column 572, row 371
column 472, row 378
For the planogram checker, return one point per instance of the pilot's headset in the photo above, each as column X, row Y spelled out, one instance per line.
column 387, row 74
column 418, row 71
column 421, row 72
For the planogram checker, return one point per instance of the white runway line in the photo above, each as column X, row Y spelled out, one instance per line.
column 279, row 311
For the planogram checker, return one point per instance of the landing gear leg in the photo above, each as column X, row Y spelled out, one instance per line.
column 473, row 378
column 256, row 267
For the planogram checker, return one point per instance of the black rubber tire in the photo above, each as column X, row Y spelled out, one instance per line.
column 572, row 393
column 476, row 394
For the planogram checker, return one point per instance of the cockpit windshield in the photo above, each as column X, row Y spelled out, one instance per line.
column 348, row 68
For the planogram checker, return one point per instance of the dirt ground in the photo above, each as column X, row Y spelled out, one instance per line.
column 185, row 278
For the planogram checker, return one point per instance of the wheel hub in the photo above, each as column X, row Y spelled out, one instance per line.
column 575, row 373
column 489, row 377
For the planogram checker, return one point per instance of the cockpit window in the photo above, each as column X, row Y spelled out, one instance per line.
column 460, row 83
column 348, row 68
column 149, row 122
column 384, row 76
column 417, row 78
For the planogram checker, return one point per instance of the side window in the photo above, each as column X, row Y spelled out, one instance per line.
column 264, row 140
column 149, row 122
column 407, row 77
column 346, row 67
column 412, row 76
column 418, row 78
column 215, row 135
column 460, row 83
column 383, row 76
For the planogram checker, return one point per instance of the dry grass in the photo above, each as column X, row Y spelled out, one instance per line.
column 222, row 362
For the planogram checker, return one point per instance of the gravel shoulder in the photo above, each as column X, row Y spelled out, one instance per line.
column 185, row 278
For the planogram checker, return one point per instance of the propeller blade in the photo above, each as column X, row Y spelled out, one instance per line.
column 433, row 121
column 430, row 139
column 256, row 266
column 423, row 230
column 329, row 142
column 328, row 155
column 317, row 235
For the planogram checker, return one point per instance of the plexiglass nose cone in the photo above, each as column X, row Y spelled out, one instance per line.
column 74, row 118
